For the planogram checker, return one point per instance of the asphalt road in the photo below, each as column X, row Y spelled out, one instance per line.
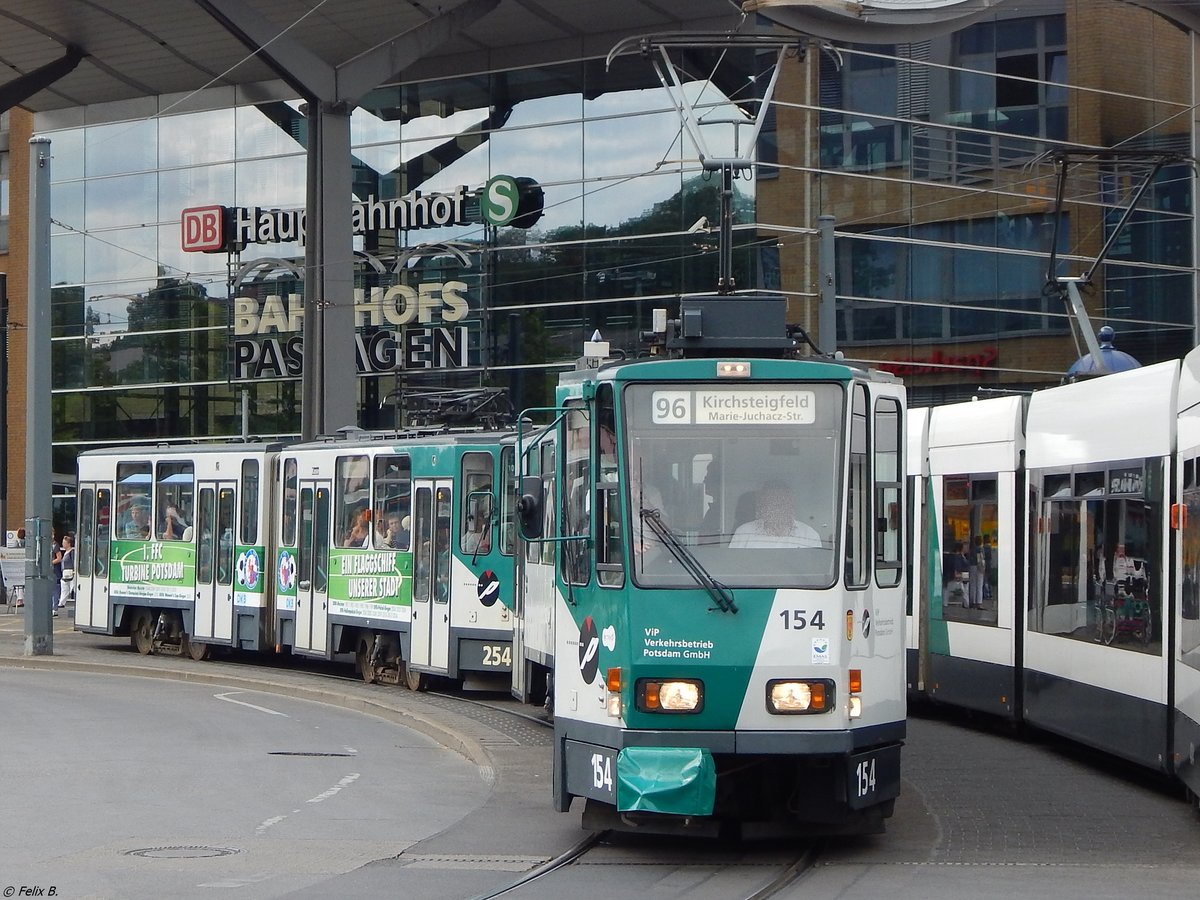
column 138, row 788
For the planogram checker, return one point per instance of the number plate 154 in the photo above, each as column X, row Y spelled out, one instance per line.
column 873, row 776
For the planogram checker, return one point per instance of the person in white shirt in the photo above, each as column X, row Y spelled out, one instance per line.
column 775, row 525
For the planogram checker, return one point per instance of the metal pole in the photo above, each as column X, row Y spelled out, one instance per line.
column 725, row 266
column 39, row 633
column 310, row 390
column 3, row 410
column 827, row 320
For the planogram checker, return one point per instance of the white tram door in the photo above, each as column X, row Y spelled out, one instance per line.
column 214, row 563
column 430, row 629
column 92, row 610
column 312, row 589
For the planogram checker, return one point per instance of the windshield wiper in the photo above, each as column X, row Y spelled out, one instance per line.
column 721, row 595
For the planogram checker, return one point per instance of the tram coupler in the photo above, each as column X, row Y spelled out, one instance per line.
column 160, row 627
column 384, row 660
column 163, row 640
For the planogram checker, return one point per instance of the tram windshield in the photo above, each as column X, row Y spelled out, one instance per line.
column 747, row 477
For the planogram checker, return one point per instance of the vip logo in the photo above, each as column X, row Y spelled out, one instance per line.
column 201, row 229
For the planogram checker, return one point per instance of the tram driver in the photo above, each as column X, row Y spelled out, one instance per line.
column 775, row 525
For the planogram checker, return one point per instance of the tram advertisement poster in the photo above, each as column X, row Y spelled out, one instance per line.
column 361, row 578
column 164, row 570
column 250, row 591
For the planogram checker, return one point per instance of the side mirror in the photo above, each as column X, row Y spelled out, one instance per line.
column 529, row 507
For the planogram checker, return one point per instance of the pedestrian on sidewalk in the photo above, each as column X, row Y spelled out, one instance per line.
column 67, row 572
column 56, row 558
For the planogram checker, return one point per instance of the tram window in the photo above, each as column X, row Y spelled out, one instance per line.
column 205, row 554
column 756, row 504
column 290, row 498
column 549, row 510
column 610, row 541
column 173, row 492
column 423, row 545
column 532, row 466
column 103, row 529
column 478, row 504
column 577, row 486
column 392, row 502
column 248, row 526
column 888, row 537
column 304, row 553
column 86, row 541
column 133, row 501
column 1189, row 601
column 353, row 517
column 443, row 507
column 508, row 500
column 970, row 525
column 225, row 544
column 320, row 581
column 858, row 514
column 1099, row 555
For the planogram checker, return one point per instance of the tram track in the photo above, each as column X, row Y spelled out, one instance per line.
column 536, row 881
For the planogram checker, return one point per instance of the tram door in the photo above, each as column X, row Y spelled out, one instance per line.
column 91, row 551
column 430, row 629
column 214, row 562
column 312, row 588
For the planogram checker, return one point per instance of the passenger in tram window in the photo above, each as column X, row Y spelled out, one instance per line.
column 393, row 533
column 137, row 526
column 775, row 525
column 360, row 529
column 173, row 526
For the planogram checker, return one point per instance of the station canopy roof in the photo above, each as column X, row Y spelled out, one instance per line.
column 124, row 49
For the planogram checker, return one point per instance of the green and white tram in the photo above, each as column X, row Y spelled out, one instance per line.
column 712, row 580
column 172, row 544
column 398, row 549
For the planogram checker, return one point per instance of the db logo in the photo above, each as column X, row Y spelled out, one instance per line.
column 202, row 228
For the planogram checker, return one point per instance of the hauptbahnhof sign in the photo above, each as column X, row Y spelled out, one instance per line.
column 504, row 200
column 400, row 327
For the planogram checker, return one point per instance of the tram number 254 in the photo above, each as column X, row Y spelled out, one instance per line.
column 497, row 655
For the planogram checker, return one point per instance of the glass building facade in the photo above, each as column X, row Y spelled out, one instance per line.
column 936, row 160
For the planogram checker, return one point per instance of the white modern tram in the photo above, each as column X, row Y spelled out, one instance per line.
column 1061, row 539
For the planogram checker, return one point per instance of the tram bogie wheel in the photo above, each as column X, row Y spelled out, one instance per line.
column 362, row 657
column 141, row 632
column 416, row 681
column 197, row 650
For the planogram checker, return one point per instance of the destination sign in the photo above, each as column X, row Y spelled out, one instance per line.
column 758, row 406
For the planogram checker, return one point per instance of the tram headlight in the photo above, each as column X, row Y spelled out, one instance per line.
column 670, row 695
column 801, row 696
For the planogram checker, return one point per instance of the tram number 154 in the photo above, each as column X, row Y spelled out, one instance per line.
column 602, row 772
column 865, row 780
